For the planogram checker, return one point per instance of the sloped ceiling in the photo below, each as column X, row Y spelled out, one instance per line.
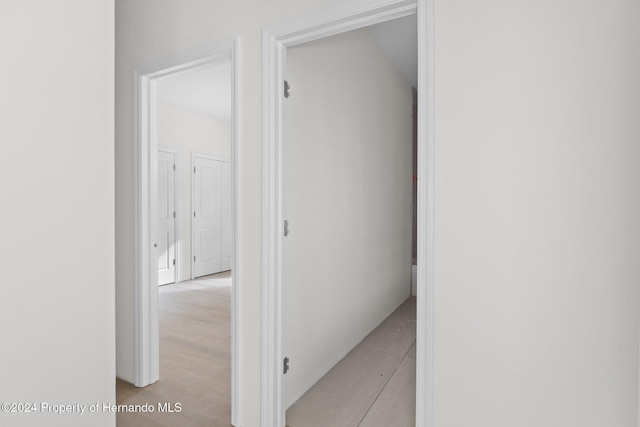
column 399, row 40
column 209, row 90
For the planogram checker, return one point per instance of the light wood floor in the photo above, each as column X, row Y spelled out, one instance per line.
column 373, row 386
column 195, row 358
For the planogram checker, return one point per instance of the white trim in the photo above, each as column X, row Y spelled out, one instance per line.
column 145, row 157
column 426, row 217
column 271, row 352
column 339, row 18
column 236, row 305
column 326, row 22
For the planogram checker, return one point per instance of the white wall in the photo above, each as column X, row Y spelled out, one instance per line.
column 56, row 180
column 537, row 213
column 347, row 198
column 536, row 206
column 188, row 131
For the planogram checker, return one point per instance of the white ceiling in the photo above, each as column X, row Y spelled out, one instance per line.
column 209, row 90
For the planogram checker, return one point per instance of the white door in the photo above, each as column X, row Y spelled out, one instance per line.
column 206, row 217
column 166, row 218
column 226, row 229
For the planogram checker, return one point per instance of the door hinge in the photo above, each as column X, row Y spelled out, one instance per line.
column 194, row 169
column 174, row 167
column 194, row 258
column 285, row 365
column 174, row 214
column 194, row 214
column 287, row 89
column 174, row 262
column 286, row 228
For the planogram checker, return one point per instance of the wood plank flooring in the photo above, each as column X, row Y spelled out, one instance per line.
column 195, row 358
column 373, row 386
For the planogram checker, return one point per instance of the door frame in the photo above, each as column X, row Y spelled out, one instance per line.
column 174, row 153
column 146, row 76
column 193, row 200
column 326, row 22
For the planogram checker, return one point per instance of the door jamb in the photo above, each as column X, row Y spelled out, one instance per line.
column 326, row 22
column 146, row 364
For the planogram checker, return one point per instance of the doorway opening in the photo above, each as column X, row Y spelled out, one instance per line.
column 157, row 121
column 330, row 21
column 347, row 197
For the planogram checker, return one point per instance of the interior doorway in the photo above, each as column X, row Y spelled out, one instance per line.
column 347, row 184
column 277, row 40
column 148, row 79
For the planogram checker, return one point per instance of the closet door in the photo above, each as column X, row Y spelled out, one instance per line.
column 206, row 219
column 226, row 225
column 166, row 218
